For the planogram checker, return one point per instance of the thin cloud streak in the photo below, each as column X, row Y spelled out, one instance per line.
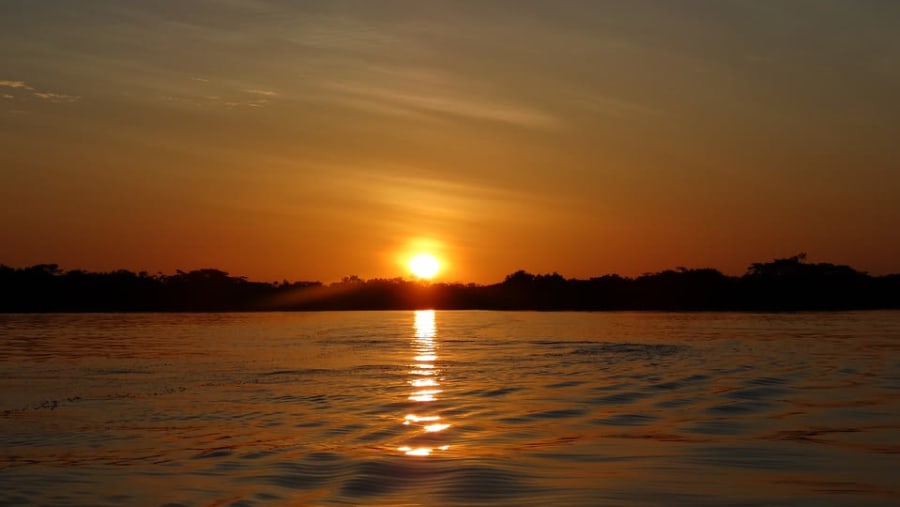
column 442, row 104
column 229, row 95
column 434, row 200
column 55, row 97
column 265, row 93
column 247, row 103
column 615, row 106
column 48, row 96
column 14, row 84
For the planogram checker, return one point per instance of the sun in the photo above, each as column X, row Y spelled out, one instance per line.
column 424, row 265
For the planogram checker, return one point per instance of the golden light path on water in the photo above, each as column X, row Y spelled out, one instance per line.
column 426, row 386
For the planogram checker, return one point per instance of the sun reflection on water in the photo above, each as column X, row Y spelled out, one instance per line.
column 418, row 451
column 424, row 324
column 425, row 381
column 414, row 418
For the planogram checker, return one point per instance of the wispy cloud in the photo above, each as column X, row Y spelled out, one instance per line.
column 14, row 84
column 246, row 103
column 55, row 97
column 32, row 92
column 615, row 106
column 265, row 93
column 421, row 199
column 434, row 99
column 218, row 94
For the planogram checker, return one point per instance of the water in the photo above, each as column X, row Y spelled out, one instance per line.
column 450, row 408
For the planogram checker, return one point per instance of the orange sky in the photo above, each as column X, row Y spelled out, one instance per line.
column 314, row 140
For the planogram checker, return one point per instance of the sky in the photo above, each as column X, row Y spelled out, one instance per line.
column 311, row 140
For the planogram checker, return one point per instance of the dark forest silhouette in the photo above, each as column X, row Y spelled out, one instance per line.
column 789, row 284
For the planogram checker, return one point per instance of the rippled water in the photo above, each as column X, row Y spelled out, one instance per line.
column 450, row 408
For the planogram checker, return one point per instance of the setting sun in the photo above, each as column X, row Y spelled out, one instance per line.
column 424, row 266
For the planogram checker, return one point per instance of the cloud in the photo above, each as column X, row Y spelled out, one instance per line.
column 227, row 94
column 616, row 106
column 374, row 97
column 14, row 84
column 246, row 103
column 55, row 97
column 265, row 93
column 48, row 96
column 214, row 101
column 418, row 199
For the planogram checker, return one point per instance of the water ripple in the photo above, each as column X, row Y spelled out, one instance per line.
column 450, row 408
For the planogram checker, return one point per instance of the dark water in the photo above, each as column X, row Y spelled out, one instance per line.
column 450, row 408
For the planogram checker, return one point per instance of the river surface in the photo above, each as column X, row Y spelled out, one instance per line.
column 450, row 408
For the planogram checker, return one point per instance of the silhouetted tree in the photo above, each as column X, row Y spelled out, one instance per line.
column 780, row 285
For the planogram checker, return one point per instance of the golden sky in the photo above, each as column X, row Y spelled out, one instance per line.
column 317, row 139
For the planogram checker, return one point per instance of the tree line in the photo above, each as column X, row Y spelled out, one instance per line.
column 789, row 284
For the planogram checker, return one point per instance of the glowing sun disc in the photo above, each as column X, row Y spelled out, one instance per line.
column 424, row 265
